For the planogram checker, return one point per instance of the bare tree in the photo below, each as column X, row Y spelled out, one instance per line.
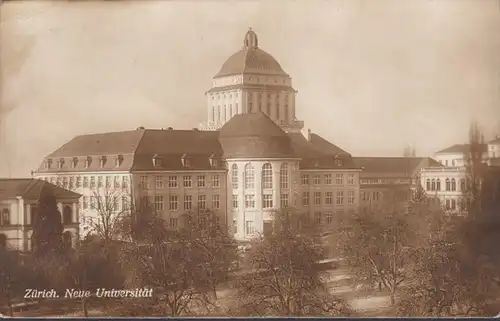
column 110, row 207
column 381, row 245
column 288, row 280
column 167, row 261
column 215, row 247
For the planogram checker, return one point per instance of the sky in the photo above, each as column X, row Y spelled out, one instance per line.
column 372, row 76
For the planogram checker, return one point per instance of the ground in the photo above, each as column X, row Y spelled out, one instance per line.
column 367, row 303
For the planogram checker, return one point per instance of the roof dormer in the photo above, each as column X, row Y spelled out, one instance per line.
column 102, row 161
column 186, row 162
column 118, row 160
column 88, row 161
column 338, row 161
column 157, row 161
column 60, row 163
column 74, row 162
column 48, row 163
column 214, row 161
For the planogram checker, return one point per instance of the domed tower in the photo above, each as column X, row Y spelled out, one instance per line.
column 251, row 81
column 263, row 171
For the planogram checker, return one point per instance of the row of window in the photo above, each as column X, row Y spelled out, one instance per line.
column 339, row 200
column 67, row 215
column 384, row 181
column 327, row 179
column 267, row 201
column 450, row 184
column 172, row 181
column 267, row 176
column 87, row 162
column 71, row 182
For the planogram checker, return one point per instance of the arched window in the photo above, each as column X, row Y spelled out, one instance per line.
column 428, row 184
column 249, row 176
column 438, row 184
column 284, row 176
column 448, row 186
column 453, row 184
column 67, row 240
column 267, row 176
column 462, row 184
column 3, row 241
column 67, row 215
column 234, row 176
column 433, row 185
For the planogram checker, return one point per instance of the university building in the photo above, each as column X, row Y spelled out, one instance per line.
column 19, row 207
column 448, row 183
column 248, row 159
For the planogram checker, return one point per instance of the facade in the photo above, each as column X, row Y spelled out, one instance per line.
column 248, row 159
column 18, row 207
column 448, row 183
column 389, row 178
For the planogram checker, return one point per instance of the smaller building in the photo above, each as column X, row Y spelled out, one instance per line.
column 387, row 179
column 18, row 209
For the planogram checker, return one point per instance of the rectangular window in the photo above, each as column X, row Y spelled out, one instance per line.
column 304, row 179
column 159, row 182
column 143, row 182
column 124, row 203
column 78, row 181
column 173, row 202
column 284, row 200
column 71, row 182
column 201, row 181
column 172, row 181
column 317, row 198
column 340, row 198
column 317, row 179
column 202, row 201
column 187, row 181
column 329, row 218
column 117, row 181
column 92, row 182
column 125, row 182
column 188, row 202
column 350, row 197
column 173, row 222
column 93, row 202
column 317, row 218
column 267, row 201
column 350, row 179
column 108, row 181
column 305, row 198
column 99, row 181
column 215, row 181
column 249, row 201
column 235, row 201
column 249, row 228
column 85, row 204
column 328, row 179
column 329, row 198
column 159, row 203
column 235, row 226
column 215, row 201
column 339, row 179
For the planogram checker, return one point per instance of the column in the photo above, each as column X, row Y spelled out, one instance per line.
column 74, row 217
column 258, row 197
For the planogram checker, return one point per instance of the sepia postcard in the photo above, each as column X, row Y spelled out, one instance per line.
column 250, row 158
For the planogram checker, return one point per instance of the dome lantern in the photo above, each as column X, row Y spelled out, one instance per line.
column 251, row 40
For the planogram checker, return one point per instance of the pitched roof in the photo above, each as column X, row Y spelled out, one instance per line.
column 115, row 143
column 254, row 135
column 319, row 153
column 460, row 149
column 29, row 188
column 402, row 166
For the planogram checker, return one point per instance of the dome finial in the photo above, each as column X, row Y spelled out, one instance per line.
column 251, row 40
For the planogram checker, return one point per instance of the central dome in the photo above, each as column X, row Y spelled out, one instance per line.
column 251, row 59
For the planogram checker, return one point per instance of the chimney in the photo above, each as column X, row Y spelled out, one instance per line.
column 195, row 129
column 170, row 128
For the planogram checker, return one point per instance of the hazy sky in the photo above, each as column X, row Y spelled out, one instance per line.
column 372, row 76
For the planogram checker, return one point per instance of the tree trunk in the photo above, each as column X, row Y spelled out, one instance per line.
column 84, row 307
column 9, row 304
column 393, row 296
